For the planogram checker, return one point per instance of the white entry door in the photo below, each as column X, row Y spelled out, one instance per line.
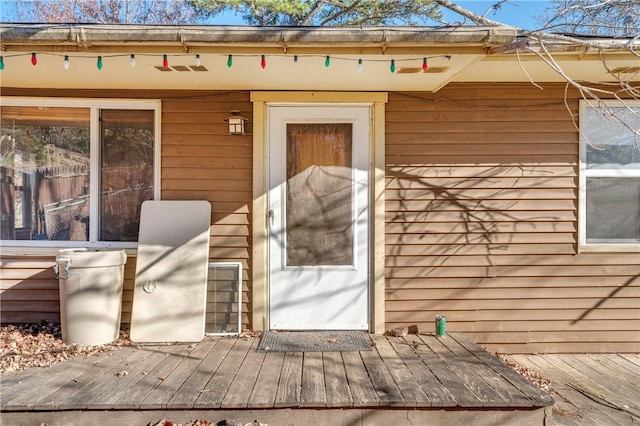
column 319, row 217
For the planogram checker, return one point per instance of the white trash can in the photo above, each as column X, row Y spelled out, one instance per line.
column 90, row 284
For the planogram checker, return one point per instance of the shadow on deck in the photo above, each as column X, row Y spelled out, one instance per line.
column 403, row 380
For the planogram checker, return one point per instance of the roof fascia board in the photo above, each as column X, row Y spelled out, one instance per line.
column 99, row 37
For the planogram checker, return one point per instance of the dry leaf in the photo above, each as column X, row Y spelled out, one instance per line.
column 40, row 345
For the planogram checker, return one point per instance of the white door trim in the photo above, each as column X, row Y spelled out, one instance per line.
column 259, row 273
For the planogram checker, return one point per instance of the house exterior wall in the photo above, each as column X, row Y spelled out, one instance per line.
column 199, row 160
column 482, row 207
column 481, row 217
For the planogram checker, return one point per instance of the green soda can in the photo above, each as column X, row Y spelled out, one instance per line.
column 441, row 325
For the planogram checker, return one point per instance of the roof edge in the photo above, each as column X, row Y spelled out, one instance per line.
column 95, row 35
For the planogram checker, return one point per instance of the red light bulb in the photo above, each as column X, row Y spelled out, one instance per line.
column 34, row 60
column 165, row 61
column 263, row 62
column 424, row 65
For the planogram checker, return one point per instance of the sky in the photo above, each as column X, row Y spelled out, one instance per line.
column 520, row 13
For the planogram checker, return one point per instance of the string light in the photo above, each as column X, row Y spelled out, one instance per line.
column 393, row 67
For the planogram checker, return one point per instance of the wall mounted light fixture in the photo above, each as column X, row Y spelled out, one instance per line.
column 236, row 123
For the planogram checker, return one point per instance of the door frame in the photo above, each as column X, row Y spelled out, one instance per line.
column 260, row 237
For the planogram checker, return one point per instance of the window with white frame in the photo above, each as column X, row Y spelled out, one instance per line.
column 76, row 170
column 610, row 174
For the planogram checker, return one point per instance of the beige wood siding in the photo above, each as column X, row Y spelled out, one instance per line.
column 481, row 217
column 28, row 290
column 200, row 160
column 481, row 224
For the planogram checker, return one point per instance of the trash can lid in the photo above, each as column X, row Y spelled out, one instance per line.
column 92, row 258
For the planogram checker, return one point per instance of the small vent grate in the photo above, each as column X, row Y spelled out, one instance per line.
column 224, row 298
column 416, row 70
column 626, row 70
column 181, row 68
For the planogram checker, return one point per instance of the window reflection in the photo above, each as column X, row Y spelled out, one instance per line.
column 45, row 173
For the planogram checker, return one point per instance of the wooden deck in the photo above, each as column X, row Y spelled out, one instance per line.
column 590, row 389
column 403, row 380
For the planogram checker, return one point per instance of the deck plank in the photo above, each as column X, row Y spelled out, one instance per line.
column 516, row 391
column 219, row 383
column 35, row 391
column 485, row 382
column 608, row 374
column 196, row 383
column 362, row 391
column 623, row 363
column 448, row 375
column 245, row 379
column 537, row 396
column 90, row 381
column 113, row 388
column 153, row 377
column 337, row 392
column 173, row 374
column 263, row 394
column 436, row 392
column 412, row 392
column 565, row 412
column 92, row 394
column 386, row 389
column 288, row 393
column 312, row 392
column 634, row 358
column 470, row 371
column 396, row 377
column 589, row 379
column 14, row 381
column 149, row 378
column 565, row 380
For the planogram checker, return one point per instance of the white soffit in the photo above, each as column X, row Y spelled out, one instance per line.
column 511, row 68
column 246, row 72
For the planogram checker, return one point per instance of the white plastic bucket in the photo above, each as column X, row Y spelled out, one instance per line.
column 90, row 284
